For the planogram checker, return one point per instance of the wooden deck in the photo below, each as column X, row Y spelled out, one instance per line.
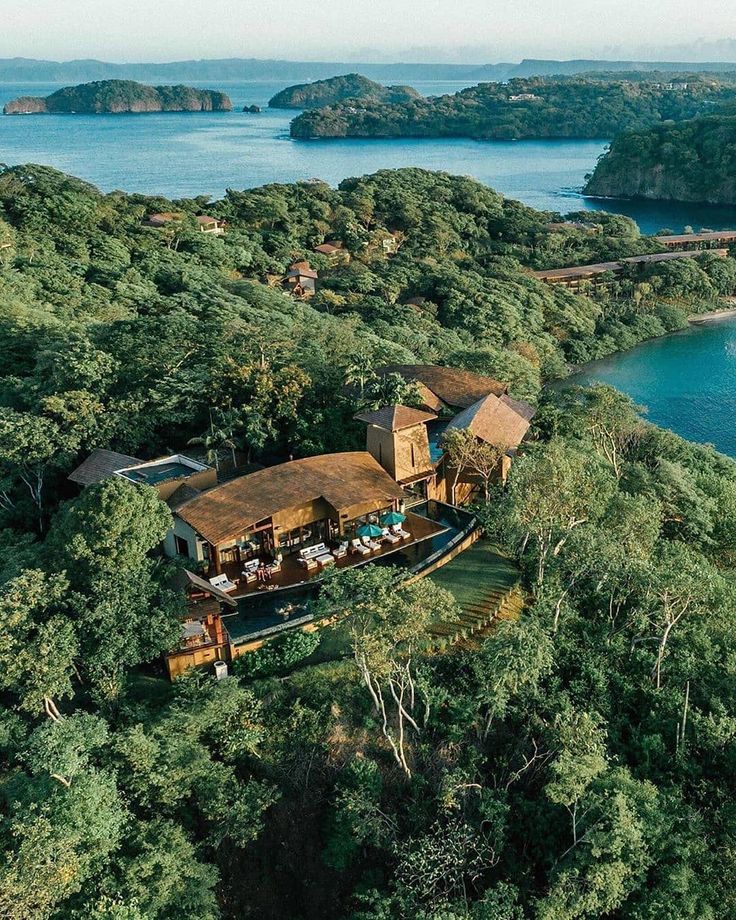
column 293, row 574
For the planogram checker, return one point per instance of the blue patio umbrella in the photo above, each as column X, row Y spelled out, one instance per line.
column 393, row 518
column 369, row 530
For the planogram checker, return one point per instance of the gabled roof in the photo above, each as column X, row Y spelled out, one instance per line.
column 206, row 219
column 181, row 495
column 101, row 464
column 343, row 480
column 454, row 387
column 301, row 273
column 327, row 249
column 501, row 421
column 394, row 418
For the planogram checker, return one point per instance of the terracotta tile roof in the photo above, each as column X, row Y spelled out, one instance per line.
column 454, row 387
column 101, row 464
column 302, row 273
column 327, row 249
column 343, row 480
column 501, row 421
column 394, row 418
column 206, row 219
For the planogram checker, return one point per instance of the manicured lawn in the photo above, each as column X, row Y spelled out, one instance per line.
column 475, row 574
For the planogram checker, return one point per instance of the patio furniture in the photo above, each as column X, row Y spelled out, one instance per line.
column 275, row 567
column 359, row 548
column 310, row 563
column 390, row 537
column 404, row 534
column 341, row 551
column 251, row 565
column 370, row 544
column 223, row 583
column 326, row 559
column 311, row 552
column 249, row 576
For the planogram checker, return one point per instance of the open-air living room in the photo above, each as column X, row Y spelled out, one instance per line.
column 314, row 554
column 284, row 525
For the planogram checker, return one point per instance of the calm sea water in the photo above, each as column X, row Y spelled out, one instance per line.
column 184, row 154
column 685, row 381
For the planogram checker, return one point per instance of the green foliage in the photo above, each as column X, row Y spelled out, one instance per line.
column 581, row 106
column 278, row 656
column 335, row 89
column 680, row 160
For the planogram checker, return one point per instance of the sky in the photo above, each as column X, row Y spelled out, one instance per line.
column 465, row 31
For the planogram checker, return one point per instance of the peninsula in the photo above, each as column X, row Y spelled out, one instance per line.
column 117, row 96
column 593, row 106
column 690, row 161
column 338, row 89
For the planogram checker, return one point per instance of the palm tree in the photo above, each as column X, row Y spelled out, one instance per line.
column 214, row 440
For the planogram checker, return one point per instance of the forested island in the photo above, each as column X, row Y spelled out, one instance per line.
column 575, row 761
column 598, row 106
column 118, row 96
column 692, row 160
column 337, row 89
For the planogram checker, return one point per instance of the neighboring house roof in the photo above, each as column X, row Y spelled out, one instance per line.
column 206, row 219
column 302, row 273
column 454, row 387
column 394, row 418
column 327, row 249
column 343, row 480
column 501, row 421
column 101, row 464
column 711, row 235
column 181, row 495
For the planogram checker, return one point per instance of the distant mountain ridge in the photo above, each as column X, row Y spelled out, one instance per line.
column 13, row 70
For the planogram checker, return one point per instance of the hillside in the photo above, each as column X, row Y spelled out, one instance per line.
column 337, row 89
column 573, row 761
column 116, row 96
column 689, row 161
column 578, row 107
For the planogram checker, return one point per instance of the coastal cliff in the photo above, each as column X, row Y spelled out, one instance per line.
column 119, row 96
column 691, row 161
column 337, row 89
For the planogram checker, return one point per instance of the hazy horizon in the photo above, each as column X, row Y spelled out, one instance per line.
column 436, row 31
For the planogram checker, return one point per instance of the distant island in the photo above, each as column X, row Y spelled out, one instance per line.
column 593, row 106
column 117, row 96
column 694, row 161
column 338, row 89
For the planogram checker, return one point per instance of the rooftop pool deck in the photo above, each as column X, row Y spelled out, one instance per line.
column 266, row 613
column 159, row 472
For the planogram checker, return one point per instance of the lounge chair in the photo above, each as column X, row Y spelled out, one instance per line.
column 359, row 548
column 404, row 534
column 341, row 551
column 249, row 576
column 309, row 563
column 390, row 537
column 223, row 583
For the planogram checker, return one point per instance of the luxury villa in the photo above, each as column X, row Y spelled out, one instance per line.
column 275, row 531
